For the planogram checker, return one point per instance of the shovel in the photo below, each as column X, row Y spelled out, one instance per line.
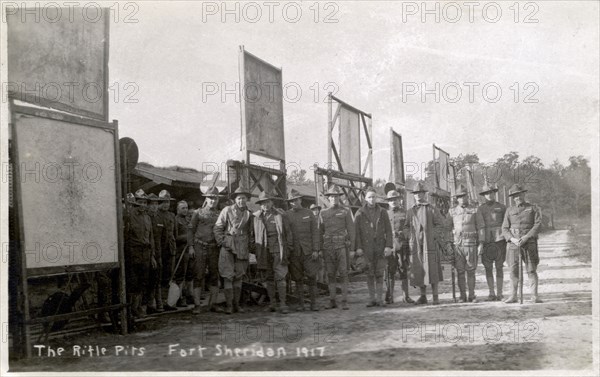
column 174, row 290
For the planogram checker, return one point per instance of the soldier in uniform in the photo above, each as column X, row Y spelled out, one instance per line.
column 234, row 234
column 203, row 250
column 520, row 228
column 401, row 257
column 139, row 255
column 373, row 237
column 182, row 277
column 304, row 259
column 154, row 293
column 322, row 272
column 426, row 262
column 466, row 224
column 273, row 242
column 338, row 236
column 494, row 247
column 168, row 241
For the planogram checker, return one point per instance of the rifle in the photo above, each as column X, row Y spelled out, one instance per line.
column 452, row 269
column 520, row 276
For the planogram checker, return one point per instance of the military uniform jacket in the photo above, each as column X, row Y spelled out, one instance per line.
column 304, row 231
column 139, row 230
column 261, row 239
column 466, row 223
column 523, row 220
column 158, row 229
column 168, row 240
column 181, row 229
column 202, row 225
column 234, row 230
column 493, row 216
column 373, row 234
column 397, row 218
column 338, row 228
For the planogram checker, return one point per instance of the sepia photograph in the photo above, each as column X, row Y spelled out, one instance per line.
column 300, row 187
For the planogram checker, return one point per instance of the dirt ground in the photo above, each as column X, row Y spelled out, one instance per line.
column 554, row 335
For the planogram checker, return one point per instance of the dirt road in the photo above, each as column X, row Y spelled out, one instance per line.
column 553, row 335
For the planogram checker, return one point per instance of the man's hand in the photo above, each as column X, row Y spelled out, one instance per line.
column 191, row 252
column 523, row 240
column 359, row 252
column 153, row 263
column 315, row 255
column 515, row 241
column 480, row 249
column 387, row 251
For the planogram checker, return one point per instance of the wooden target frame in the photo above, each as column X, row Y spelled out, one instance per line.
column 23, row 273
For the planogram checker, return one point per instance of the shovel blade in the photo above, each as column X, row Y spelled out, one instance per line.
column 174, row 294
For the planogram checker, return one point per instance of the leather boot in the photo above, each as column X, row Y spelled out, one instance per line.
column 423, row 298
column 489, row 277
column 237, row 294
column 138, row 311
column 514, row 295
column 189, row 296
column 345, row 294
column 281, row 289
column 471, row 284
column 332, row 294
column 533, row 286
column 379, row 290
column 407, row 298
column 159, row 302
column 271, row 293
column 460, row 279
column 300, row 295
column 434, row 292
column 499, row 287
column 313, row 296
column 197, row 300
column 229, row 300
column 212, row 301
column 371, row 285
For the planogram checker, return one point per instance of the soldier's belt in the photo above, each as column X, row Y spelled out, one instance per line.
column 335, row 238
column 204, row 243
column 519, row 232
column 468, row 235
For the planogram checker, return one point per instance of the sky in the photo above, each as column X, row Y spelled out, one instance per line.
column 541, row 78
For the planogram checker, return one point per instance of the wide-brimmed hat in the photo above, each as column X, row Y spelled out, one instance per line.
column 263, row 197
column 392, row 195
column 487, row 189
column 140, row 194
column 240, row 191
column 461, row 191
column 419, row 187
column 333, row 191
column 293, row 195
column 165, row 195
column 212, row 192
column 153, row 198
column 314, row 206
column 516, row 189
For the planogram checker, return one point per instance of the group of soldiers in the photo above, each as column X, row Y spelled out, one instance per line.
column 214, row 246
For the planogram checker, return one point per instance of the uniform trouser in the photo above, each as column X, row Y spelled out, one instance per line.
column 231, row 268
column 154, row 294
column 168, row 261
column 466, row 262
column 206, row 257
column 336, row 264
column 375, row 270
column 137, row 268
column 494, row 253
column 531, row 259
column 275, row 273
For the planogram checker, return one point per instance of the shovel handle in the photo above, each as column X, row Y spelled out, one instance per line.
column 178, row 262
